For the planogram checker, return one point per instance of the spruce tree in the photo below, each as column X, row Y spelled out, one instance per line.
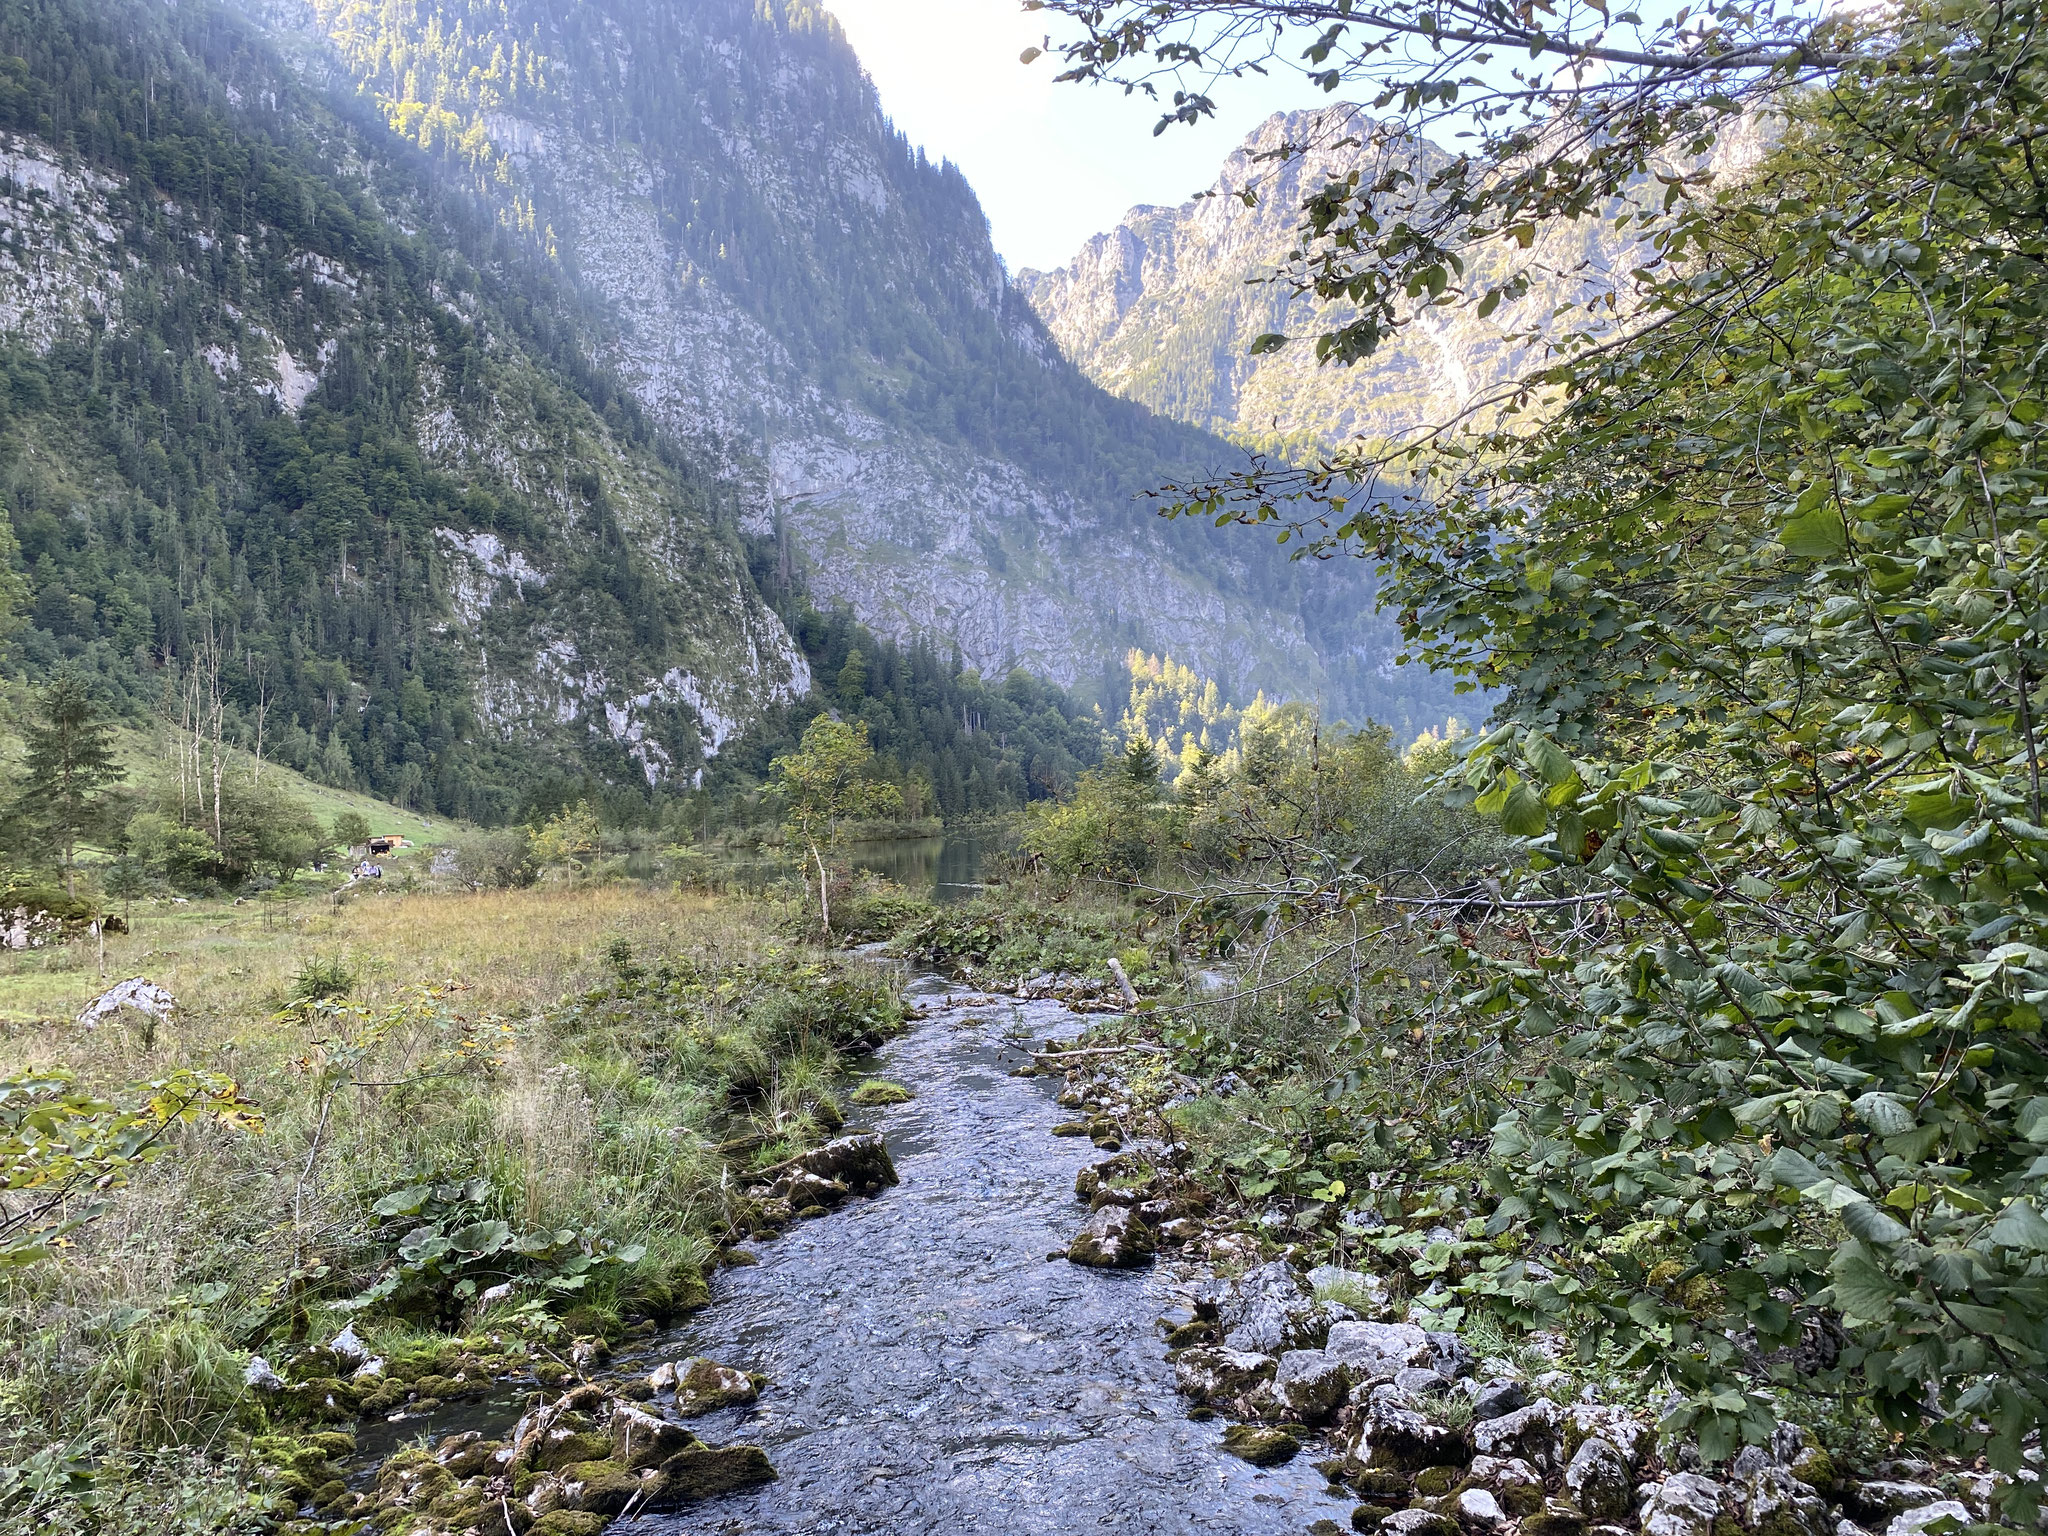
column 69, row 763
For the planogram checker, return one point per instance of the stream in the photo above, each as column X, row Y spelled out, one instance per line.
column 930, row 1371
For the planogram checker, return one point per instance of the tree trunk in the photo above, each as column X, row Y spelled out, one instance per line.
column 824, row 891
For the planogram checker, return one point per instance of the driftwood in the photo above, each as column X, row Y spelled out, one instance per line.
column 1101, row 1050
column 1116, row 969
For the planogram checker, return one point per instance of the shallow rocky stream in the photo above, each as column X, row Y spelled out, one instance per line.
column 930, row 1371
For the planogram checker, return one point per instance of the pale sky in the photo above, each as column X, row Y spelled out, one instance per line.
column 1052, row 164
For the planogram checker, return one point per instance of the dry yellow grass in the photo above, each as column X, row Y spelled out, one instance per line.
column 230, row 965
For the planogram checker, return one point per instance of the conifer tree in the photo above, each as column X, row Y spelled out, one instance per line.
column 69, row 764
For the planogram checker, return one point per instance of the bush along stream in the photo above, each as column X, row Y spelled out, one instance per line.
column 1425, row 1421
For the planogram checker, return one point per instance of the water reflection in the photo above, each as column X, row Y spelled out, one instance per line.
column 943, row 868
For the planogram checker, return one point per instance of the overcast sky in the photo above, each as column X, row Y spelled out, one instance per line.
column 1053, row 164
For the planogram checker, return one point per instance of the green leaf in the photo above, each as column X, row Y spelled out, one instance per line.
column 1861, row 1289
column 2020, row 1226
column 1884, row 1114
column 1869, row 1222
column 1548, row 759
column 1523, row 814
column 1271, row 341
column 1818, row 534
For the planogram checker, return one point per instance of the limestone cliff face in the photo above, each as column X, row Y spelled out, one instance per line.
column 529, row 630
column 1163, row 309
column 817, row 314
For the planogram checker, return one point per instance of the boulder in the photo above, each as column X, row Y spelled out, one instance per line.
column 349, row 1350
column 1396, row 1435
column 1418, row 1522
column 598, row 1487
column 1635, row 1438
column 1478, row 1510
column 702, row 1386
column 804, row 1189
column 1261, row 1447
column 1497, row 1399
column 1268, row 1311
column 259, row 1377
column 1379, row 1349
column 1450, row 1358
column 1309, row 1384
column 1879, row 1500
column 1213, row 1375
column 855, row 1161
column 1770, row 1501
column 1517, row 1485
column 704, row 1472
column 1916, row 1522
column 1113, row 1238
column 642, row 1439
column 1598, row 1481
column 1529, row 1434
column 1417, row 1382
column 1350, row 1286
column 1684, row 1504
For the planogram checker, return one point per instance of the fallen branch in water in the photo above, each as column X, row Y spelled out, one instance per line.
column 1103, row 1050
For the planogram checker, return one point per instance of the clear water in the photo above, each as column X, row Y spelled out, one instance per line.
column 943, row 868
column 930, row 1371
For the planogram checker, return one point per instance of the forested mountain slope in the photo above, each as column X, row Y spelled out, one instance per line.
column 816, row 311
column 276, row 405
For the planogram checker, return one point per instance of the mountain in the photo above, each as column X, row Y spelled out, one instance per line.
column 454, row 382
column 816, row 313
column 1164, row 308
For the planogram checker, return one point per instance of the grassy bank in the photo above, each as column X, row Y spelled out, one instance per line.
column 527, row 1096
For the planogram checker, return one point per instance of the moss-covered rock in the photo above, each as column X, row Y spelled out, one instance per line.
column 600, row 1487
column 1382, row 1485
column 567, row 1522
column 1435, row 1482
column 704, row 1472
column 877, row 1091
column 1367, row 1517
column 563, row 1447
column 1259, row 1446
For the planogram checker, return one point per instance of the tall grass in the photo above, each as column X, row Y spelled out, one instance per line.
column 587, row 1094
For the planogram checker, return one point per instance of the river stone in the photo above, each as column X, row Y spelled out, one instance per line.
column 1379, row 1349
column 1528, row 1433
column 642, row 1439
column 804, row 1189
column 1211, row 1375
column 1396, row 1435
column 598, row 1487
column 702, row 1386
column 1309, row 1384
column 704, row 1472
column 1479, row 1510
column 1497, row 1399
column 1598, row 1481
column 860, row 1161
column 1914, row 1522
column 1684, row 1504
column 1260, row 1447
column 1770, row 1501
column 1113, row 1238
